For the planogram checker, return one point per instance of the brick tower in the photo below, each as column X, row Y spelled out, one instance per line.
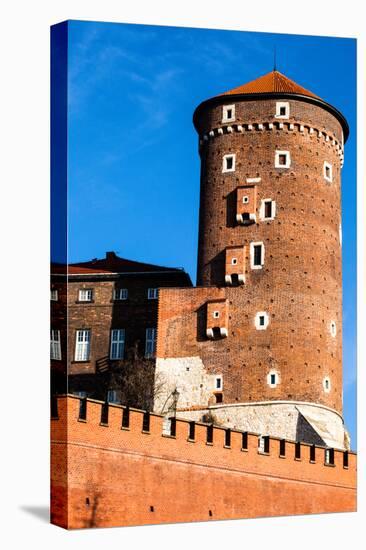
column 258, row 343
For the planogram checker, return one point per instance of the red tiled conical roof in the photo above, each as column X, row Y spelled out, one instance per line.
column 273, row 82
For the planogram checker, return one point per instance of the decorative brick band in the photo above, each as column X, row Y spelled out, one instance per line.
column 269, row 126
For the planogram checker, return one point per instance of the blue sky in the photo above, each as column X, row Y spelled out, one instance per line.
column 133, row 165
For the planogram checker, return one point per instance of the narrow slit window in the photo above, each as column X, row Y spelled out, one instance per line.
column 298, row 450
column 209, row 435
column 244, row 441
column 126, row 418
column 329, row 457
column 192, row 430
column 312, row 453
column 228, row 437
column 345, row 459
column 283, row 447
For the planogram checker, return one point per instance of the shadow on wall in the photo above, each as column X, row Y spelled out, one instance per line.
column 306, row 432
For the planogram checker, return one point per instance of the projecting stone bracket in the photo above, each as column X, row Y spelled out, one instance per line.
column 215, row 332
column 241, row 278
column 246, row 219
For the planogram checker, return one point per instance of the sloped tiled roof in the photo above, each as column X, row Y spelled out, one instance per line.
column 273, row 82
column 111, row 264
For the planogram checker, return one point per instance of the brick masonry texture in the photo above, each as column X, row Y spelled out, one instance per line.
column 300, row 283
column 92, row 466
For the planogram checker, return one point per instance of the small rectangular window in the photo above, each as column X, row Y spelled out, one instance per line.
column 117, row 343
column 282, row 159
column 150, row 342
column 126, row 418
column 152, row 293
column 173, row 426
column 345, row 459
column 146, row 422
column 209, row 434
column 85, row 295
column 258, row 261
column 218, row 382
column 55, row 345
column 82, row 345
column 244, row 441
column 219, row 397
column 282, row 109
column 273, row 379
column 328, row 171
column 228, row 113
column 268, row 209
column 120, row 294
column 228, row 163
column 228, row 437
column 54, row 294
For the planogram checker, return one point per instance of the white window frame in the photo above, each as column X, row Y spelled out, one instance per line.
column 224, row 159
column 245, row 199
column 54, row 295
column 277, row 159
column 55, row 345
column 82, row 345
column 277, row 379
column 152, row 293
column 225, row 110
column 85, row 295
column 117, row 345
column 221, row 385
column 112, row 396
column 262, row 210
column 328, row 165
column 325, row 381
column 120, row 294
column 333, row 329
column 216, row 314
column 280, row 104
column 257, row 318
column 252, row 245
column 234, row 261
column 150, row 342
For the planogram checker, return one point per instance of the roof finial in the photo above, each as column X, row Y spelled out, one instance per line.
column 275, row 59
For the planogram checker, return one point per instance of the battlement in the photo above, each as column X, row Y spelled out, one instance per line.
column 132, row 464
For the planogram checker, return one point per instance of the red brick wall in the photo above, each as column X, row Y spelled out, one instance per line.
column 123, row 473
column 300, row 284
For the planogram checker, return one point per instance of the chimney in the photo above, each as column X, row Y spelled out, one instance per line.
column 110, row 256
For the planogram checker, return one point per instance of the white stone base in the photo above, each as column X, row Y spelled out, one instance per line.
column 294, row 421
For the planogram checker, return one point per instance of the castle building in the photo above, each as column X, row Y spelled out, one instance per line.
column 257, row 345
column 100, row 310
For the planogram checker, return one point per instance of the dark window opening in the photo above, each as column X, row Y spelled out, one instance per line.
column 282, row 159
column 229, row 113
column 218, row 383
column 227, row 438
column 266, row 444
column 82, row 408
column 152, row 509
column 216, row 332
column 229, row 163
column 312, row 453
column 192, row 430
column 146, row 422
column 173, row 426
column 268, row 209
column 235, row 279
column 327, row 171
column 244, row 441
column 273, row 379
column 210, row 513
column 245, row 217
column 104, row 415
column 283, row 447
column 345, row 459
column 298, row 450
column 87, row 501
column 209, row 436
column 219, row 397
column 261, row 320
column 257, row 254
column 282, row 111
column 126, row 418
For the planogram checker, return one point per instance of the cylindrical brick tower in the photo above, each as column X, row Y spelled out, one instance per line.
column 270, row 233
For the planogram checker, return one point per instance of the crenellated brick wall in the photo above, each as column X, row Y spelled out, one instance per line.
column 107, row 471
